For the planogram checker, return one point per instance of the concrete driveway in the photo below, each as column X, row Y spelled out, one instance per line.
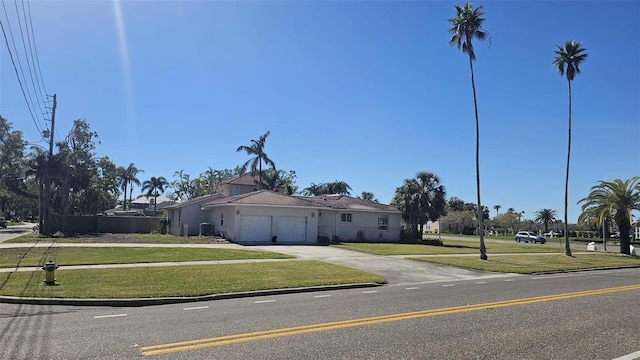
column 14, row 231
column 396, row 270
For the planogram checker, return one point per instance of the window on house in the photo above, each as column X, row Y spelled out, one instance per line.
column 383, row 222
column 221, row 219
column 345, row 217
column 235, row 191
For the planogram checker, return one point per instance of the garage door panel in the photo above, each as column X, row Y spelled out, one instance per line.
column 255, row 228
column 292, row 229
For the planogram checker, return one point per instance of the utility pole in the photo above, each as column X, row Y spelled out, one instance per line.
column 46, row 229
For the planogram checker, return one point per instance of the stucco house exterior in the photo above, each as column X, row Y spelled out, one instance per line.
column 242, row 184
column 188, row 213
column 270, row 217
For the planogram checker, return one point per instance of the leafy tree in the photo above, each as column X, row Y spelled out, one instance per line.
column 257, row 149
column 618, row 198
column 154, row 187
column 508, row 220
column 420, row 199
column 466, row 26
column 459, row 222
column 213, row 178
column 455, row 204
column 368, row 196
column 128, row 176
column 567, row 61
column 546, row 216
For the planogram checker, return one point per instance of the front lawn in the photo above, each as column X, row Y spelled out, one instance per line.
column 530, row 264
column 449, row 247
column 180, row 281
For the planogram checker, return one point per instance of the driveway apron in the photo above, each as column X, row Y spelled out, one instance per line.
column 397, row 271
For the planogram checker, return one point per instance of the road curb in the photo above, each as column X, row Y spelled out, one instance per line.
column 582, row 270
column 138, row 302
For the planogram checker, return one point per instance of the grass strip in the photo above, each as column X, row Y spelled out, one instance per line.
column 118, row 238
column 448, row 247
column 181, row 280
column 529, row 264
column 37, row 256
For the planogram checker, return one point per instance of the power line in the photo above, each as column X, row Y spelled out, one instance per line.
column 18, row 76
column 33, row 64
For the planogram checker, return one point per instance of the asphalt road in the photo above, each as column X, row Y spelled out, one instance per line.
column 441, row 320
column 11, row 232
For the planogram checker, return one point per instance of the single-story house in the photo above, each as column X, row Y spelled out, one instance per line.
column 270, row 217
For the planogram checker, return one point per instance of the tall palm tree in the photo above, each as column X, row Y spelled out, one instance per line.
column 154, row 187
column 128, row 176
column 616, row 198
column 567, row 61
column 546, row 216
column 497, row 207
column 466, row 26
column 367, row 196
column 256, row 148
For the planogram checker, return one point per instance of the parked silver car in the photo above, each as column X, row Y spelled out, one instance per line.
column 530, row 237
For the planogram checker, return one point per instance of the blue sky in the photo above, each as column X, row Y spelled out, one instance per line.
column 367, row 92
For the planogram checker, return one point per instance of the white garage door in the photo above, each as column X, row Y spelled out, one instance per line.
column 255, row 228
column 292, row 229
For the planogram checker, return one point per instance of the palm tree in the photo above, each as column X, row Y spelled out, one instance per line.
column 154, row 187
column 567, row 61
column 256, row 148
column 421, row 199
column 466, row 26
column 616, row 198
column 368, row 196
column 546, row 216
column 128, row 176
column 497, row 207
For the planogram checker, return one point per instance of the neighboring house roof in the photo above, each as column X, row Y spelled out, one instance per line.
column 245, row 179
column 264, row 198
column 143, row 199
column 343, row 202
column 207, row 198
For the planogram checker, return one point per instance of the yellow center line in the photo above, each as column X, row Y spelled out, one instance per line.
column 305, row 329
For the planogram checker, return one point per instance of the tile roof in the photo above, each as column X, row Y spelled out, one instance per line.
column 207, row 198
column 245, row 179
column 336, row 201
column 272, row 198
column 264, row 197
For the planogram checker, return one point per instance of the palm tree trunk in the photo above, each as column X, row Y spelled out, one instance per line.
column 483, row 249
column 124, row 204
column 260, row 165
column 567, row 249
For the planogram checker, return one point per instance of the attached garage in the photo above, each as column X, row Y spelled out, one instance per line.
column 292, row 229
column 254, row 228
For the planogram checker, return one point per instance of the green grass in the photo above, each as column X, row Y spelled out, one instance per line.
column 181, row 281
column 118, row 238
column 37, row 256
column 529, row 264
column 449, row 247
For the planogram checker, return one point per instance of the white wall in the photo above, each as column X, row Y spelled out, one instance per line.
column 366, row 223
column 232, row 215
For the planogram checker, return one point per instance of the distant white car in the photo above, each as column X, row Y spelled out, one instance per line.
column 552, row 234
column 530, row 237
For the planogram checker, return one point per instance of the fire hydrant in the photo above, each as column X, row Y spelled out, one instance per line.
column 50, row 268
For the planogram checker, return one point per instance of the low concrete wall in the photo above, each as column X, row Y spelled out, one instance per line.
column 107, row 224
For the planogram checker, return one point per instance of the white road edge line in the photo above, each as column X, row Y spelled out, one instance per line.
column 321, row 296
column 448, row 285
column 412, row 288
column 510, row 280
column 109, row 316
column 635, row 355
column 370, row 292
column 553, row 276
column 263, row 301
column 481, row 282
column 195, row 308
